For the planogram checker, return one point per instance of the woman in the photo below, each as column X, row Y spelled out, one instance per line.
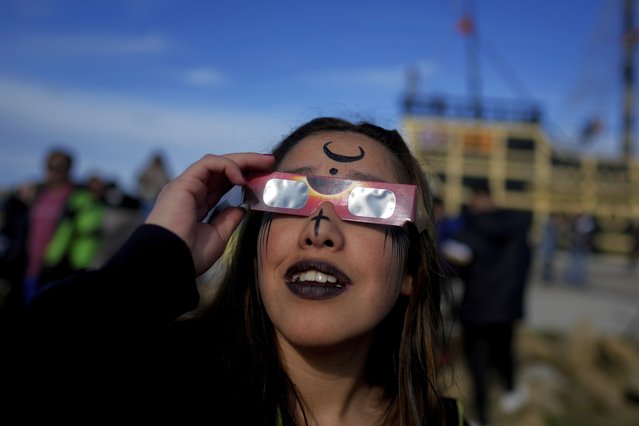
column 327, row 315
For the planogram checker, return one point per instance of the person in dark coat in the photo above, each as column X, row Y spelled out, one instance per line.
column 14, row 225
column 493, row 300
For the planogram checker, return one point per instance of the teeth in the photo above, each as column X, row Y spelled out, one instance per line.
column 315, row 276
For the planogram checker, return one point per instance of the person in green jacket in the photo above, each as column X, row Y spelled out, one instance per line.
column 77, row 237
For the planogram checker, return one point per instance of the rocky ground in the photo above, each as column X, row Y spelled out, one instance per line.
column 578, row 350
column 578, row 378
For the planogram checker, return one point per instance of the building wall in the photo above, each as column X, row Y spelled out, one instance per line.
column 524, row 172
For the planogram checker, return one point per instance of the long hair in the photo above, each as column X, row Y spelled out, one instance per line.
column 406, row 343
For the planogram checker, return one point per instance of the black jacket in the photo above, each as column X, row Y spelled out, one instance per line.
column 496, row 277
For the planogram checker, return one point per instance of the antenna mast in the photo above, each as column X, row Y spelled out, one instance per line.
column 628, row 74
column 467, row 25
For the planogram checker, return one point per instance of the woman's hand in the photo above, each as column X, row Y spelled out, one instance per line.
column 184, row 202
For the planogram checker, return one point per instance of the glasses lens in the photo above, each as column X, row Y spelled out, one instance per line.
column 285, row 193
column 371, row 202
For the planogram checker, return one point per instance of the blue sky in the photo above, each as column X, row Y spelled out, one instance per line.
column 116, row 80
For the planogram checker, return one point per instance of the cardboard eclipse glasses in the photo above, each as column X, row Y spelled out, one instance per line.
column 353, row 200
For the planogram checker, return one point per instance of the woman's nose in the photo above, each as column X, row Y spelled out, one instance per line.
column 323, row 229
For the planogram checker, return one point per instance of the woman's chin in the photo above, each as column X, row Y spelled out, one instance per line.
column 323, row 339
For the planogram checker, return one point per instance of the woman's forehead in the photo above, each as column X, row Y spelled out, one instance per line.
column 340, row 154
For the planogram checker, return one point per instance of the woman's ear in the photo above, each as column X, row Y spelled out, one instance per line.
column 407, row 285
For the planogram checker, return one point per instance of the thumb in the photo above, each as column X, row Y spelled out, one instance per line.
column 216, row 236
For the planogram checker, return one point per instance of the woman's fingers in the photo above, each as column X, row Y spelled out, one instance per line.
column 212, row 238
column 209, row 178
column 183, row 202
column 233, row 171
column 229, row 166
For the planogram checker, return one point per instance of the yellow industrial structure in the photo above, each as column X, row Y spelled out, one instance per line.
column 505, row 148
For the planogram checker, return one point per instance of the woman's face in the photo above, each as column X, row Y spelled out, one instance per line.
column 326, row 282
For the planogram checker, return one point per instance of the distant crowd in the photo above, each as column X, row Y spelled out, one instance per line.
column 51, row 228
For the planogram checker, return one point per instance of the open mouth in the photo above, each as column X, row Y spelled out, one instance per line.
column 316, row 280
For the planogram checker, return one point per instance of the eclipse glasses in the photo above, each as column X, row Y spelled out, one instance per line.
column 358, row 201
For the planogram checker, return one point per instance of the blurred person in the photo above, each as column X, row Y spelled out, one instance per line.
column 548, row 246
column 13, row 254
column 150, row 181
column 45, row 214
column 582, row 229
column 453, row 254
column 120, row 218
column 328, row 312
column 77, row 237
column 633, row 253
column 494, row 284
column 447, row 226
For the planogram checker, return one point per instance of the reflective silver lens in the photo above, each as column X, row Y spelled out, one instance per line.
column 285, row 193
column 371, row 202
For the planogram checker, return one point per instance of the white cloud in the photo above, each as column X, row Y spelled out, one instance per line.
column 105, row 44
column 203, row 77
column 374, row 77
column 118, row 115
column 115, row 132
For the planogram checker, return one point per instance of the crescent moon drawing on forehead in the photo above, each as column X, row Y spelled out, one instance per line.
column 343, row 158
